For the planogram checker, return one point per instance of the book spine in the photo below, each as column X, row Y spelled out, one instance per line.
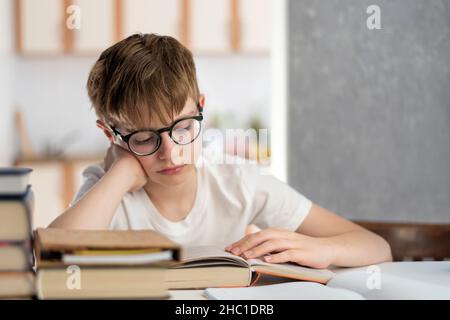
column 27, row 200
column 29, row 203
column 26, row 248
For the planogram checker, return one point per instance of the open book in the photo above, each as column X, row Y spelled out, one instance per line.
column 208, row 266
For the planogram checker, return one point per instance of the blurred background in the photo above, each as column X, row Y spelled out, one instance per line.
column 359, row 117
column 47, row 122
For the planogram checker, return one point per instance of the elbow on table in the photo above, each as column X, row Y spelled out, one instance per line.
column 385, row 250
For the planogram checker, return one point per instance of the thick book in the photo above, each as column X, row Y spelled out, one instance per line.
column 16, row 216
column 61, row 247
column 14, row 180
column 208, row 266
column 101, row 283
column 17, row 284
column 102, row 264
column 15, row 256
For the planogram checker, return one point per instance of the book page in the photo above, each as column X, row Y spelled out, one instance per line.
column 209, row 256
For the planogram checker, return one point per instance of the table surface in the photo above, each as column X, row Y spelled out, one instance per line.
column 435, row 272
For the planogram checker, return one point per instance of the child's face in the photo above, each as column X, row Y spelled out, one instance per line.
column 171, row 154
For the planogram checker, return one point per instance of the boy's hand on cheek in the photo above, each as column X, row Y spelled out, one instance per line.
column 275, row 245
column 122, row 159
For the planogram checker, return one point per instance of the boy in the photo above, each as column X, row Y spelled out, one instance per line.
column 145, row 94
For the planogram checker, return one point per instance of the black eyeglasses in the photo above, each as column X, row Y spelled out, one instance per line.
column 146, row 142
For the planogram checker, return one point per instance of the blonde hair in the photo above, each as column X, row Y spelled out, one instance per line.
column 142, row 76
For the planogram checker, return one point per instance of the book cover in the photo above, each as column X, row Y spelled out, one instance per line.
column 14, row 180
column 53, row 246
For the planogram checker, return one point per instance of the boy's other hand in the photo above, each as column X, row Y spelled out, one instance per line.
column 117, row 157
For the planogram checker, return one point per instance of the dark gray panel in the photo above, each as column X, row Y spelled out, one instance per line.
column 369, row 110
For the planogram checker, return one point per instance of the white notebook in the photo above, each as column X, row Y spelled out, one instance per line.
column 283, row 291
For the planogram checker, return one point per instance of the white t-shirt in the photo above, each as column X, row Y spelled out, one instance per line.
column 229, row 197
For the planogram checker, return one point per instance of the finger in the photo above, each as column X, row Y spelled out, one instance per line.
column 290, row 255
column 250, row 230
column 243, row 244
column 254, row 239
column 274, row 245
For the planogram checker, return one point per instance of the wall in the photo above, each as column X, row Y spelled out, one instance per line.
column 369, row 110
column 53, row 97
column 7, row 62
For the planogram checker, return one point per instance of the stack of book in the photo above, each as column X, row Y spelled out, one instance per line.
column 16, row 259
column 96, row 264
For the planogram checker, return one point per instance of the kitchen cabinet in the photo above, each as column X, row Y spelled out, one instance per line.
column 255, row 24
column 152, row 16
column 40, row 27
column 204, row 26
column 97, row 26
column 209, row 26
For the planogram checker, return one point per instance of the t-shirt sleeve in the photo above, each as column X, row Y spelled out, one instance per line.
column 91, row 175
column 275, row 203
